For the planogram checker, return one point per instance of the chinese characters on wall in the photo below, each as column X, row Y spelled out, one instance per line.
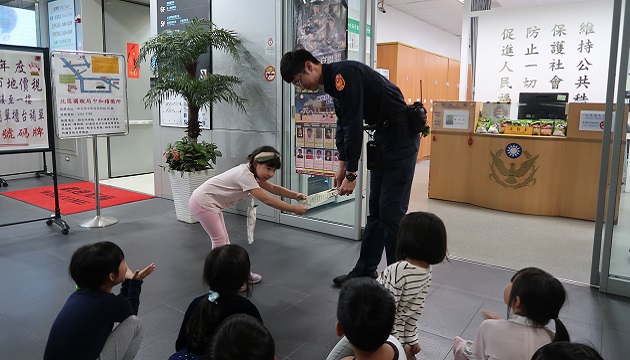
column 555, row 55
column 544, row 49
column 23, row 116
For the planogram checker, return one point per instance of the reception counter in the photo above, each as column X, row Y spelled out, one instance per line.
column 539, row 175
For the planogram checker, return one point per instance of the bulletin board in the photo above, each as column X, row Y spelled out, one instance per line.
column 89, row 94
column 25, row 101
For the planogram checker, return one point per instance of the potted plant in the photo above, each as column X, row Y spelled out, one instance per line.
column 174, row 57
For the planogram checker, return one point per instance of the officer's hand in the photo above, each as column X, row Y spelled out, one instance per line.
column 347, row 187
column 340, row 176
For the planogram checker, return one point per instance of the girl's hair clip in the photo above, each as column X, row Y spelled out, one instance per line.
column 213, row 296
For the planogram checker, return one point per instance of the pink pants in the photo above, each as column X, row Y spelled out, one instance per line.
column 212, row 222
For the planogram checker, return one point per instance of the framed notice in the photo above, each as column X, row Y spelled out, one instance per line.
column 455, row 119
column 591, row 120
column 174, row 112
column 89, row 94
column 25, row 102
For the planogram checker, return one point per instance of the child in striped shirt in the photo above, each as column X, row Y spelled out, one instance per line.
column 421, row 243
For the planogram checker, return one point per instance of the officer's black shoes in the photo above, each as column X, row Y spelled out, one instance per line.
column 339, row 280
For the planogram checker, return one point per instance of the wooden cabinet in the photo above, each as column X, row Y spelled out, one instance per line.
column 421, row 76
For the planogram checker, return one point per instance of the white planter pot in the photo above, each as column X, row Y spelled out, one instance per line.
column 182, row 186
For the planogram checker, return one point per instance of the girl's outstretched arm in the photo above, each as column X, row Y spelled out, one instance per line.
column 261, row 195
column 281, row 191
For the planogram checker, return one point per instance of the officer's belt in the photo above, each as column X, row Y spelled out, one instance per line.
column 395, row 118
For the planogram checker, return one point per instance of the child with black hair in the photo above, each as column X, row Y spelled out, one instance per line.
column 83, row 328
column 421, row 242
column 365, row 315
column 534, row 297
column 565, row 350
column 242, row 337
column 225, row 270
column 228, row 188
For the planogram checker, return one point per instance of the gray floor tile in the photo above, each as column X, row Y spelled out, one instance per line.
column 296, row 297
column 615, row 345
column 434, row 346
column 456, row 311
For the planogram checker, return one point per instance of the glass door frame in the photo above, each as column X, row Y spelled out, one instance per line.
column 609, row 171
column 353, row 231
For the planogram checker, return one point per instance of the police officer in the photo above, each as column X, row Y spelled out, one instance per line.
column 362, row 94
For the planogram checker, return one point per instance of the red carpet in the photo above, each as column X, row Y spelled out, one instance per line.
column 75, row 197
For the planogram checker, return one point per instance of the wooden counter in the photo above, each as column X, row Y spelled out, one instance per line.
column 546, row 175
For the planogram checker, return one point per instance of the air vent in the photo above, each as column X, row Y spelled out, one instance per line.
column 480, row 5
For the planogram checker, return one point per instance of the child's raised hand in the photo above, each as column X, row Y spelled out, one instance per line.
column 490, row 315
column 300, row 196
column 141, row 274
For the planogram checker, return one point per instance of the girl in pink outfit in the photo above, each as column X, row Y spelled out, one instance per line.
column 534, row 298
column 226, row 189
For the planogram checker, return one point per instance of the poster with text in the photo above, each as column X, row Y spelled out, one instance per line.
column 321, row 28
column 89, row 94
column 23, row 105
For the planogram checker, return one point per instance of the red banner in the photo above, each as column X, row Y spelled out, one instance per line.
column 133, row 72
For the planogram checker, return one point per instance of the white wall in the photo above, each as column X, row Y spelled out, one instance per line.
column 395, row 25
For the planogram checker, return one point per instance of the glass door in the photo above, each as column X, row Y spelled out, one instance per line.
column 331, row 30
column 612, row 233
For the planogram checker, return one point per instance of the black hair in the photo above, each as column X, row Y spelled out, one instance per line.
column 292, row 63
column 541, row 298
column 564, row 350
column 242, row 337
column 421, row 236
column 8, row 19
column 366, row 312
column 225, row 270
column 91, row 265
column 275, row 162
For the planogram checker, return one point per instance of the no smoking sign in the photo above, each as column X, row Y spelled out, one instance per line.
column 270, row 73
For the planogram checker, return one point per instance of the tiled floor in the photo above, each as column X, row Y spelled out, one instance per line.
column 295, row 298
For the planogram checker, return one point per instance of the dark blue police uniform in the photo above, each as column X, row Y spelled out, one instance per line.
column 360, row 94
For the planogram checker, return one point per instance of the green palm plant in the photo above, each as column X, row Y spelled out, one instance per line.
column 174, row 67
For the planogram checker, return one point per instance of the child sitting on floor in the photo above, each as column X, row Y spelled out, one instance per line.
column 365, row 315
column 83, row 328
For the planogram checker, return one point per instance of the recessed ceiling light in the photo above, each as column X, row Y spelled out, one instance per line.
column 461, row 1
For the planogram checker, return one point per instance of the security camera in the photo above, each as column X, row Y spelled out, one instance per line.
column 381, row 6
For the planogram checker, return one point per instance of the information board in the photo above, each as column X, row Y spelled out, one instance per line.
column 89, row 94
column 24, row 100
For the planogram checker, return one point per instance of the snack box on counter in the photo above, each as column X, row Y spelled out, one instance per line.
column 542, row 127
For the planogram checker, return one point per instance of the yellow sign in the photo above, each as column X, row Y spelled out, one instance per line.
column 518, row 130
column 105, row 65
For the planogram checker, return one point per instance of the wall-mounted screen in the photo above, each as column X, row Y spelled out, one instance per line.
column 17, row 26
column 542, row 106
